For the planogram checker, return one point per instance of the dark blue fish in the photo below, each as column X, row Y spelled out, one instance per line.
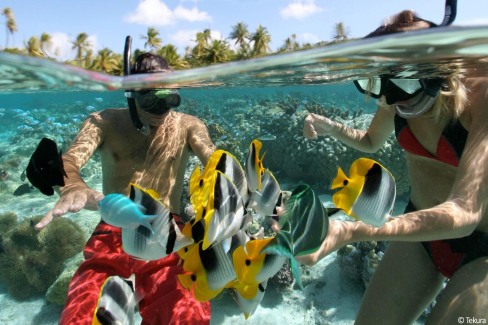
column 45, row 168
column 23, row 189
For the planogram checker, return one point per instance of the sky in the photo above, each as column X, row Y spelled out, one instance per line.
column 108, row 22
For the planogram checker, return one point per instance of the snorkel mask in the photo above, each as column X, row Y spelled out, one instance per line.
column 155, row 101
column 413, row 97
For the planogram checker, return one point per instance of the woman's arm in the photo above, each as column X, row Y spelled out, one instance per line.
column 457, row 217
column 367, row 141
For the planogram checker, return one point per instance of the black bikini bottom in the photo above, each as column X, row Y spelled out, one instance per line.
column 450, row 254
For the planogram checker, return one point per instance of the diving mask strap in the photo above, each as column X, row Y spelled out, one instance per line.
column 141, row 127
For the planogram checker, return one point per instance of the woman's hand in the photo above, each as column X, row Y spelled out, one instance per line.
column 337, row 237
column 72, row 200
column 316, row 125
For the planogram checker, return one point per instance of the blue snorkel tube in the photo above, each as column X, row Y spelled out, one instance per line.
column 144, row 129
column 449, row 12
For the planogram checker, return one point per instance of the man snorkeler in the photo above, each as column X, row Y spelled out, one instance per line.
column 153, row 159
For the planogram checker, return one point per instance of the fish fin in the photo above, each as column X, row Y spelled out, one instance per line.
column 226, row 243
column 148, row 220
column 344, row 201
column 296, row 271
column 249, row 304
column 338, row 181
column 195, row 179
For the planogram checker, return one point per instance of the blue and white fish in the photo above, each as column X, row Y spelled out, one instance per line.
column 167, row 238
column 120, row 211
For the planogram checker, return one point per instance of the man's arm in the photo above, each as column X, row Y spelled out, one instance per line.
column 199, row 140
column 76, row 194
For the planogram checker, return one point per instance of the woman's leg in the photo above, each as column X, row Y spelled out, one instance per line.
column 465, row 296
column 404, row 284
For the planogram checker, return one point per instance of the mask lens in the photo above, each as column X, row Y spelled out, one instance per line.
column 158, row 101
column 371, row 86
column 409, row 86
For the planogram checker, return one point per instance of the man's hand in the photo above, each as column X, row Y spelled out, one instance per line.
column 72, row 201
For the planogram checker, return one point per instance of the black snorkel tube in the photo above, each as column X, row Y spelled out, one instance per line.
column 449, row 12
column 144, row 129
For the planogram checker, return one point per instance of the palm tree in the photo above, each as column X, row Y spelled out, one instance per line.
column 170, row 53
column 88, row 60
column 81, row 44
column 340, row 32
column 153, row 41
column 105, row 61
column 46, row 43
column 217, row 52
column 240, row 33
column 201, row 44
column 290, row 44
column 33, row 47
column 261, row 40
column 207, row 36
column 11, row 26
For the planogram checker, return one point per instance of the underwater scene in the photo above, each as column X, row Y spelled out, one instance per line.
column 37, row 266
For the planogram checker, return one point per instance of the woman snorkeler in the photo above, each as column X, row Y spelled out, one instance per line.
column 444, row 231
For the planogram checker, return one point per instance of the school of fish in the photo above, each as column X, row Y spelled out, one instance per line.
column 216, row 250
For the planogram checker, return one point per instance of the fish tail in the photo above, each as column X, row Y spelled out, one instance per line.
column 297, row 273
column 339, row 179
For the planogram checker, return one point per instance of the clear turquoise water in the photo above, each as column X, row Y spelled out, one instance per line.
column 270, row 98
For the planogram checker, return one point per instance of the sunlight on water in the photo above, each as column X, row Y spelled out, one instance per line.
column 458, row 48
column 264, row 98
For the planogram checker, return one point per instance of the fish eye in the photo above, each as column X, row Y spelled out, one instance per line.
column 345, row 182
column 193, row 277
column 201, row 182
column 248, row 262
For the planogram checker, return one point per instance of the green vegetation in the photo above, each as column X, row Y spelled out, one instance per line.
column 207, row 51
column 30, row 260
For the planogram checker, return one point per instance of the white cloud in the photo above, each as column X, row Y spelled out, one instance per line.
column 191, row 15
column 184, row 38
column 157, row 13
column 308, row 38
column 300, row 9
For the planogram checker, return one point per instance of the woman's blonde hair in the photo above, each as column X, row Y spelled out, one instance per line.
column 451, row 101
